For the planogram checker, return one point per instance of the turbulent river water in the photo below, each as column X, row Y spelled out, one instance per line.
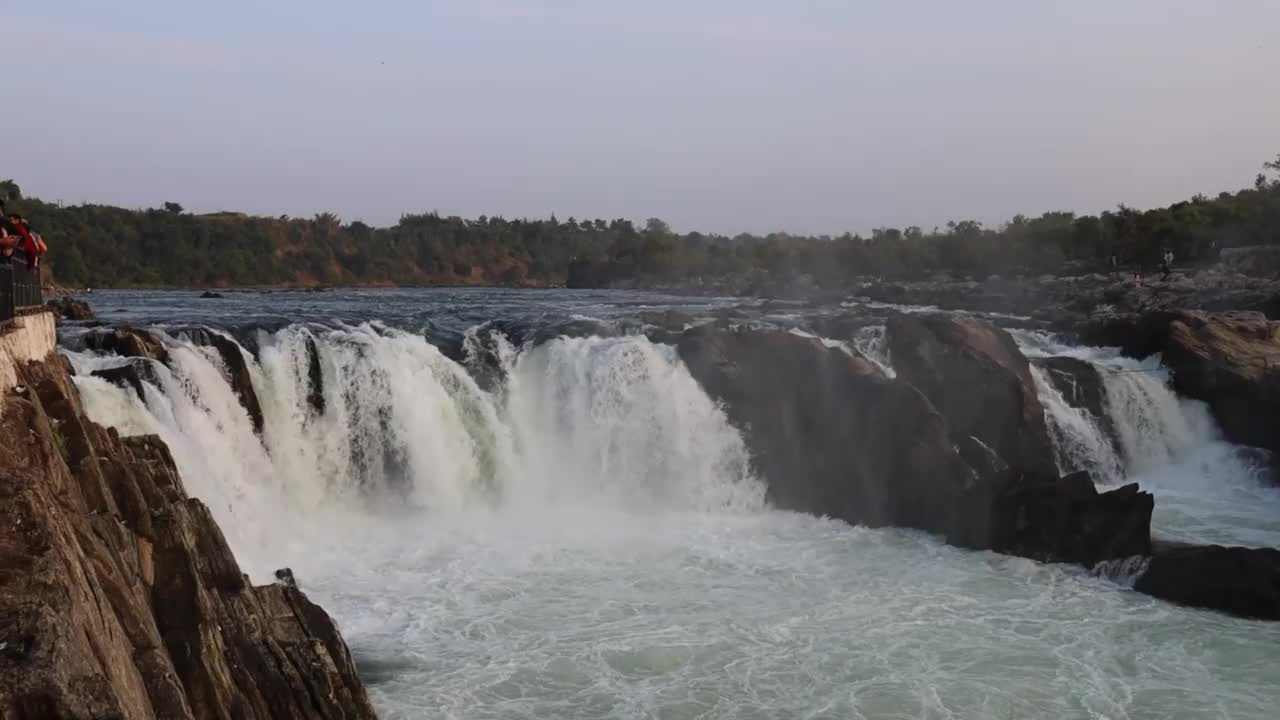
column 511, row 524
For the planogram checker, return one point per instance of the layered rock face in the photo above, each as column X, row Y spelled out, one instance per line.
column 1242, row 581
column 119, row 597
column 832, row 435
column 975, row 375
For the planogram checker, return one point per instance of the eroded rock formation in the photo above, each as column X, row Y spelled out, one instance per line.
column 119, row 597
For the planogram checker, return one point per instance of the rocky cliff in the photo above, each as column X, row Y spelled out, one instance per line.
column 832, row 435
column 962, row 457
column 119, row 597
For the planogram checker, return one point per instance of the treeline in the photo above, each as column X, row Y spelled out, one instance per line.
column 103, row 246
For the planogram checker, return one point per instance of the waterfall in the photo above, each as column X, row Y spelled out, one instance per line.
column 1079, row 441
column 1207, row 490
column 871, row 342
column 613, row 423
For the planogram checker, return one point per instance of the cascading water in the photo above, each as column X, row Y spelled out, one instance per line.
column 1207, row 490
column 582, row 538
column 870, row 341
column 597, row 422
column 1079, row 441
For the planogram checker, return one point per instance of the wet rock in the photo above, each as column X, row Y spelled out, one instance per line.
column 315, row 377
column 976, row 376
column 1237, row 580
column 1232, row 362
column 119, row 597
column 1068, row 520
column 1082, row 387
column 131, row 375
column 237, row 369
column 68, row 308
column 831, row 434
column 128, row 342
column 669, row 320
column 211, row 295
column 284, row 576
column 986, row 464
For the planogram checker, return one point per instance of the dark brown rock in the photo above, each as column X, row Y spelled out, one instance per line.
column 68, row 308
column 315, row 377
column 1232, row 362
column 237, row 369
column 1241, row 581
column 832, row 435
column 128, row 342
column 975, row 375
column 119, row 597
column 1068, row 520
column 131, row 375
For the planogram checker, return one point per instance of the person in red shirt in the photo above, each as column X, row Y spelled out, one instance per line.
column 28, row 239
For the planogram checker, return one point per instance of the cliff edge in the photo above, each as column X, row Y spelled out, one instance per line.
column 119, row 597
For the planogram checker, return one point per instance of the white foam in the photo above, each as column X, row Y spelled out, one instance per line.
column 586, row 541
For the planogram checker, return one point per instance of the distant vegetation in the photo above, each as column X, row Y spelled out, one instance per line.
column 102, row 246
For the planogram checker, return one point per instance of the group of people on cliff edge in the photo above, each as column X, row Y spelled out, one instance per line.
column 16, row 233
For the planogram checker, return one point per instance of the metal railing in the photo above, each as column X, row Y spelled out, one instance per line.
column 19, row 287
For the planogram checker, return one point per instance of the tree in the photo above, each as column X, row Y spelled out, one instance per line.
column 173, row 208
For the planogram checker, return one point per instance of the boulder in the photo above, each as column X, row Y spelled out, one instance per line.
column 211, row 295
column 238, row 375
column 974, row 374
column 128, row 342
column 1232, row 362
column 1237, row 580
column 68, row 308
column 315, row 377
column 831, row 435
column 131, row 375
column 1068, row 520
column 669, row 320
column 119, row 596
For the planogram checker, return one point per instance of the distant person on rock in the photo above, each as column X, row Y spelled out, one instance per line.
column 1167, row 265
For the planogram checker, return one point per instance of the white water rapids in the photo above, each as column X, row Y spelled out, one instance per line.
column 586, row 540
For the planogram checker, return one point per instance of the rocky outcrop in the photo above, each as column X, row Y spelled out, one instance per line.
column 315, row 377
column 975, row 375
column 830, row 434
column 1068, row 520
column 68, row 308
column 128, row 342
column 131, row 375
column 1230, row 360
column 1241, row 581
column 237, row 370
column 135, row 343
column 119, row 597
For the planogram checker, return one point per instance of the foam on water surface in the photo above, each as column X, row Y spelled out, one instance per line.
column 585, row 540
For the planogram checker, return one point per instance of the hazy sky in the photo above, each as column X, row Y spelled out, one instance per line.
column 718, row 115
